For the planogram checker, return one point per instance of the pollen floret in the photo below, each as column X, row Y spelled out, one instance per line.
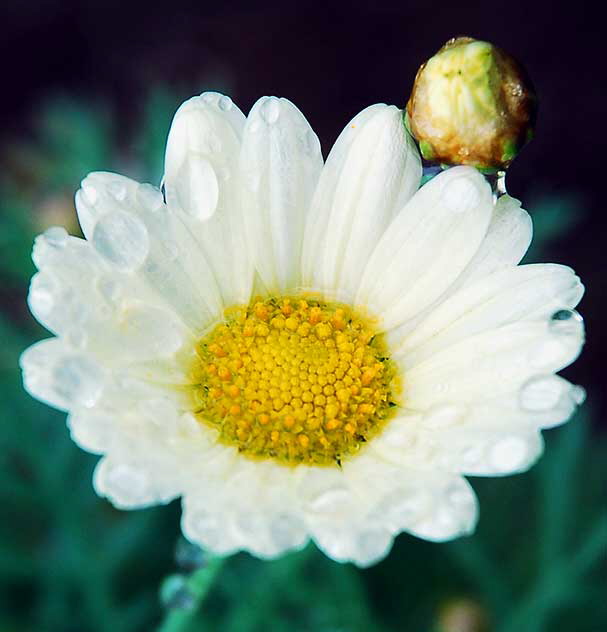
column 295, row 380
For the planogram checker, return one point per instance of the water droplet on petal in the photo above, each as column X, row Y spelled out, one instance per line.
column 578, row 394
column 40, row 296
column 77, row 380
column 460, row 194
column 208, row 97
column 125, row 483
column 91, row 432
column 402, row 507
column 270, row 110
column 443, row 416
column 122, row 239
column 540, row 393
column 255, row 126
column 225, row 103
column 508, row 454
column 206, row 529
column 566, row 322
column 331, row 502
column 149, row 197
column 56, row 236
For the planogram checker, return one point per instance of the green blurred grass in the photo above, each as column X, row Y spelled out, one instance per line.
column 70, row 562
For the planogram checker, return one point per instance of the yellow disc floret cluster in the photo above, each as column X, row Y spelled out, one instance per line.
column 294, row 380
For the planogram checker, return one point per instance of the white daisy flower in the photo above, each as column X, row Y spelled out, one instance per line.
column 301, row 351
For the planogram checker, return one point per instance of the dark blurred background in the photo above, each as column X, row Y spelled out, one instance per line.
column 92, row 86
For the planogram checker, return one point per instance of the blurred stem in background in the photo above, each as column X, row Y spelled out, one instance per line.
column 70, row 562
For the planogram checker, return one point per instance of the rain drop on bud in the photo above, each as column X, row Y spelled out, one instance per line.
column 471, row 104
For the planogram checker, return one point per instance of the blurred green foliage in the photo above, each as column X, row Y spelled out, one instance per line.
column 70, row 562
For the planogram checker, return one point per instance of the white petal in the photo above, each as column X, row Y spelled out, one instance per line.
column 60, row 377
column 202, row 187
column 492, row 363
column 531, row 292
column 154, row 246
column 548, row 400
column 429, row 502
column 243, row 505
column 453, row 514
column 280, row 163
column 62, row 296
column 337, row 517
column 427, row 246
column 93, row 431
column 131, row 486
column 371, row 172
column 363, row 545
column 484, row 449
column 506, row 242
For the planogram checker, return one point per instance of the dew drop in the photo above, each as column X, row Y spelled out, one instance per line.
column 540, row 393
column 149, row 197
column 331, row 502
column 270, row 110
column 578, row 394
column 443, row 416
column 285, row 532
column 225, row 103
column 127, row 484
column 402, row 507
column 255, row 126
column 40, row 296
column 77, row 380
column 206, row 529
column 56, row 236
column 566, row 322
column 91, row 432
column 122, row 239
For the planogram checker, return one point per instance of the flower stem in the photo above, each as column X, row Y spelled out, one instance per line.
column 198, row 585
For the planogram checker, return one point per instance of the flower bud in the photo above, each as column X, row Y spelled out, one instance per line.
column 471, row 104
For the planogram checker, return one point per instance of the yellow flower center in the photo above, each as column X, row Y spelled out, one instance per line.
column 293, row 380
